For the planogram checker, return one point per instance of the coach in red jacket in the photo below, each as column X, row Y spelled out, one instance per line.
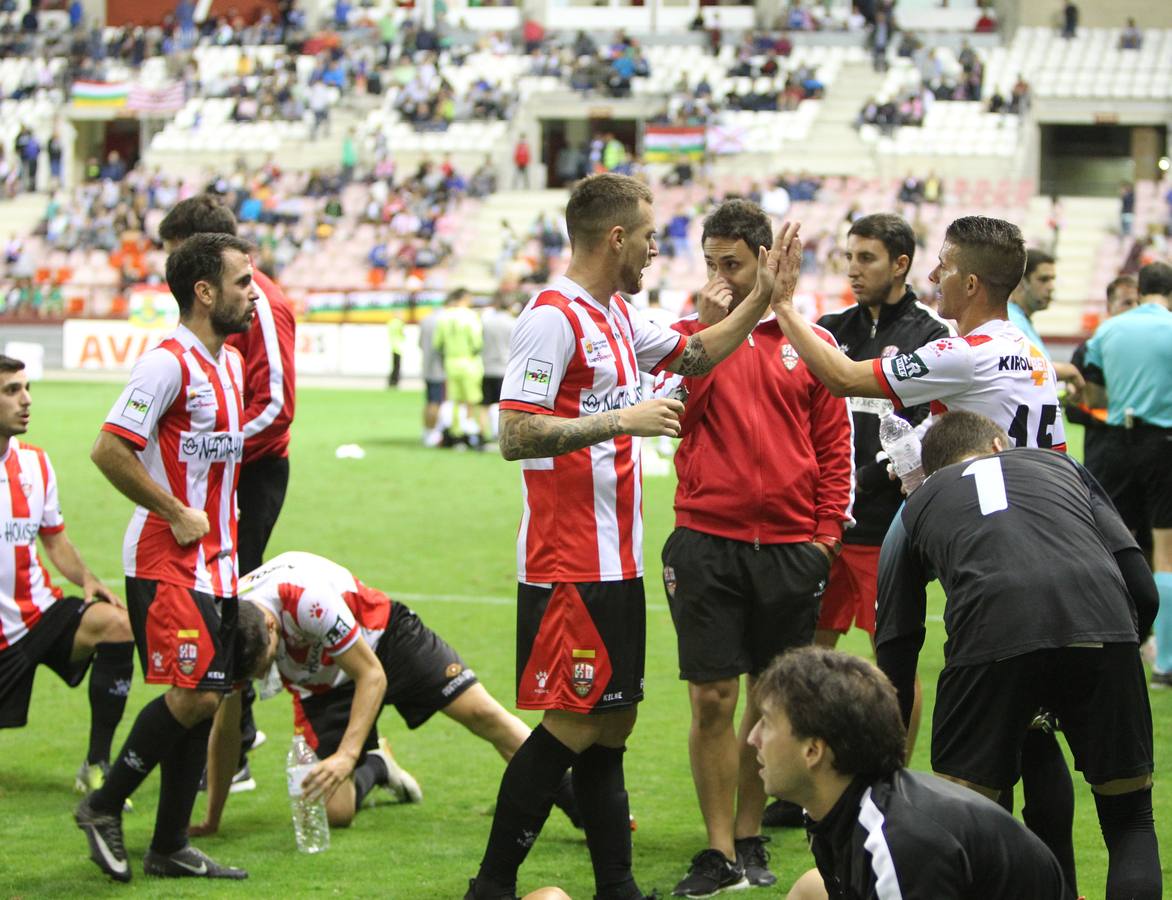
column 765, row 489
column 269, row 399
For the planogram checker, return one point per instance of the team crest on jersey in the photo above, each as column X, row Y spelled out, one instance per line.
column 26, row 484
column 909, row 365
column 583, row 678
column 596, row 350
column 188, row 654
column 889, row 351
column 538, row 373
column 789, row 357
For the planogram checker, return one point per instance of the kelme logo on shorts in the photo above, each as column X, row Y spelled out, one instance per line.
column 909, row 365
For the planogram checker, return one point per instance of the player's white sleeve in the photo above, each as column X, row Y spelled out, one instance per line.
column 540, row 350
column 322, row 614
column 940, row 369
column 276, row 369
column 51, row 518
column 153, row 385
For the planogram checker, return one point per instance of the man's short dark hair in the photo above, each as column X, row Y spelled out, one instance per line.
column 8, row 364
column 199, row 258
column 991, row 249
column 1155, row 278
column 202, row 214
column 1035, row 258
column 739, row 220
column 841, row 699
column 892, row 231
column 252, row 638
column 956, row 435
column 599, row 203
column 1117, row 283
column 455, row 295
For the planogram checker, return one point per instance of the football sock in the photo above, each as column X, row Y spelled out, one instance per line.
column 565, row 800
column 370, row 772
column 1129, row 831
column 109, row 687
column 154, row 733
column 602, row 801
column 1048, row 797
column 1163, row 627
column 179, row 783
column 522, row 806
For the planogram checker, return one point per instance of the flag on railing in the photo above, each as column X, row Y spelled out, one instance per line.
column 110, row 95
column 165, row 98
column 669, row 143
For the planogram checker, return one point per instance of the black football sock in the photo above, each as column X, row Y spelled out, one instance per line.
column 110, row 679
column 565, row 800
column 370, row 772
column 1048, row 798
column 1129, row 831
column 522, row 806
column 154, row 733
column 179, row 783
column 602, row 801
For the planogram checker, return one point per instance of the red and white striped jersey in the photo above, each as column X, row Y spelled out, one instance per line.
column 323, row 611
column 182, row 410
column 570, row 357
column 993, row 370
column 269, row 374
column 28, row 507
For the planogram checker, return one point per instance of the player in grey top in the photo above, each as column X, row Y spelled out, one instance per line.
column 433, row 380
column 497, row 328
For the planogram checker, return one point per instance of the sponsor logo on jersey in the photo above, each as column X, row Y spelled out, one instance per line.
column 211, row 446
column 188, row 655
column 202, row 396
column 138, row 406
column 453, row 670
column 462, row 678
column 20, row 531
column 889, row 351
column 596, row 350
column 941, row 347
column 1035, row 365
column 338, row 631
column 541, row 678
column 620, row 398
column 538, row 373
column 157, row 660
column 612, row 696
column 908, row 365
column 872, row 405
column 789, row 357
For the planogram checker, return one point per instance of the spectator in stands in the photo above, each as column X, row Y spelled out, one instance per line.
column 1126, row 208
column 986, row 22
column 933, row 189
column 1131, row 38
column 911, row 190
column 521, row 158
column 878, row 40
column 1069, row 20
column 114, row 169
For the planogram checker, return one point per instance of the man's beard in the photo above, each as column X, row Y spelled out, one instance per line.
column 225, row 323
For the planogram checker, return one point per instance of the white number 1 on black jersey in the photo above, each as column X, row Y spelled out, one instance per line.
column 990, row 484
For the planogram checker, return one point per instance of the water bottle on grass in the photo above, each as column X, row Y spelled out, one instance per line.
column 310, row 825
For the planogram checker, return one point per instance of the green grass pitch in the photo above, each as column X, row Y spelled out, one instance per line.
column 437, row 530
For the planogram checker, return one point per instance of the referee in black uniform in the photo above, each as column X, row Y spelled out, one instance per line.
column 1047, row 597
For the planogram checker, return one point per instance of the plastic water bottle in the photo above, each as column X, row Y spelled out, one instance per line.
column 310, row 825
column 902, row 447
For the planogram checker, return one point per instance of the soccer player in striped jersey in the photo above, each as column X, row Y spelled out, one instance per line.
column 572, row 410
column 39, row 626
column 173, row 443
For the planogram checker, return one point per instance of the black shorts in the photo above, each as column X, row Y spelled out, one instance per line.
column 48, row 643
column 581, row 647
column 1132, row 465
column 260, row 495
column 1098, row 694
column 490, row 388
column 424, row 675
column 185, row 638
column 735, row 607
column 435, row 391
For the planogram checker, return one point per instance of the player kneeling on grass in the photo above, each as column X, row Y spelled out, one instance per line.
column 831, row 740
column 345, row 650
column 39, row 626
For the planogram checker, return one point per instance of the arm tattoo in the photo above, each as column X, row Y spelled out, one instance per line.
column 530, row 436
column 695, row 359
